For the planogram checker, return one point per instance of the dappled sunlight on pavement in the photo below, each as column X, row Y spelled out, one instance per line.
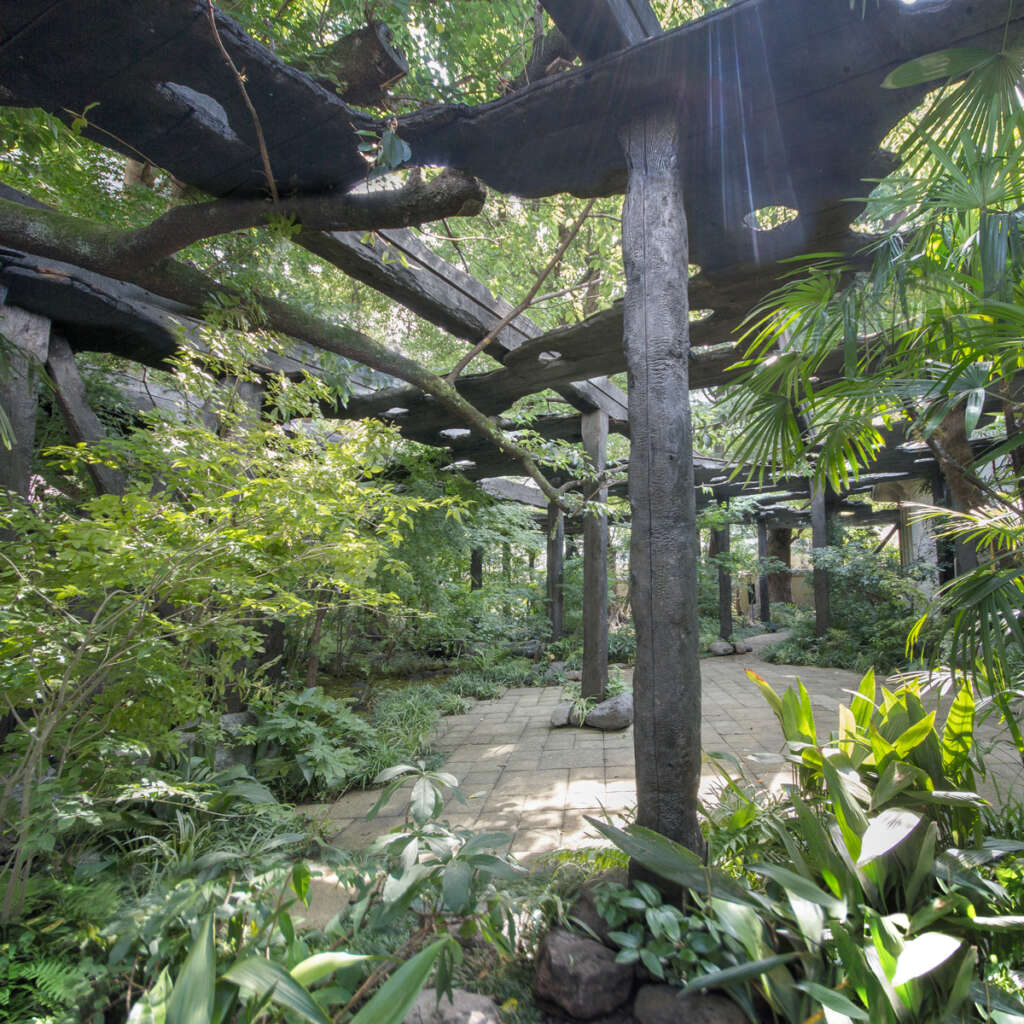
column 538, row 785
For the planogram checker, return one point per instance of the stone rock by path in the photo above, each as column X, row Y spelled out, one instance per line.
column 554, row 671
column 661, row 1004
column 574, row 675
column 563, row 715
column 614, row 713
column 463, row 1008
column 584, row 913
column 720, row 648
column 580, row 976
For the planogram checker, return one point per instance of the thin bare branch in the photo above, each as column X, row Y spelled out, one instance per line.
column 527, row 300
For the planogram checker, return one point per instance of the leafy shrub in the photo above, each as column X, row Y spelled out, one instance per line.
column 875, row 902
column 478, row 685
column 874, row 606
column 622, row 643
column 308, row 743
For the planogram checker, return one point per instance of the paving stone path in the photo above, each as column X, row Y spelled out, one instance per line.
column 537, row 784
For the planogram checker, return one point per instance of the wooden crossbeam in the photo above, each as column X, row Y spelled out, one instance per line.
column 599, row 27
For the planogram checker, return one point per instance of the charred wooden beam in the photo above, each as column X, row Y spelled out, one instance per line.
column 599, row 27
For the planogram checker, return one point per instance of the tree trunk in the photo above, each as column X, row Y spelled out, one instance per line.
column 476, row 569
column 663, row 569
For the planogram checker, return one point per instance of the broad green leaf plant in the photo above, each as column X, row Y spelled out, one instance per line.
column 875, row 902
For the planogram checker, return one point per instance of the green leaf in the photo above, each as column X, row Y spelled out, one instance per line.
column 941, row 64
column 424, row 800
column 456, row 882
column 318, row 966
column 770, row 695
column 191, row 1000
column 914, row 735
column 672, row 861
column 269, row 979
column 833, row 1000
column 922, row 955
column 958, row 733
column 863, row 703
column 803, row 887
column 152, row 1007
column 392, row 1000
column 886, row 831
column 652, row 963
column 741, row 972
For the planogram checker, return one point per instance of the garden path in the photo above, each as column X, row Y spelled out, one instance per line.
column 538, row 784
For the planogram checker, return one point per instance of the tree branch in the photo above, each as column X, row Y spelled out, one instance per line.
column 525, row 304
column 450, row 194
column 98, row 248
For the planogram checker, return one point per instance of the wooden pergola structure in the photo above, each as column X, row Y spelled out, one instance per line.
column 766, row 103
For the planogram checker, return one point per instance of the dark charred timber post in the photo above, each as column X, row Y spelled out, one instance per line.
column 663, row 553
column 476, row 568
column 945, row 550
column 819, row 541
column 595, row 564
column 764, row 600
column 83, row 424
column 780, row 547
column 30, row 336
column 720, row 542
column 556, row 558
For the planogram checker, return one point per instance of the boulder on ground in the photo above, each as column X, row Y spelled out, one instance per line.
column 463, row 1008
column 720, row 648
column 555, row 671
column 580, row 976
column 614, row 713
column 574, row 675
column 663, row 1004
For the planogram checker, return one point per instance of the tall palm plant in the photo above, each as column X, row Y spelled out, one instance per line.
column 921, row 335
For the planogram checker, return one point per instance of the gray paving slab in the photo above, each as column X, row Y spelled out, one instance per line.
column 539, row 784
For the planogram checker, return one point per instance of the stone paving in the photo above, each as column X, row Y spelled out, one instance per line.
column 537, row 784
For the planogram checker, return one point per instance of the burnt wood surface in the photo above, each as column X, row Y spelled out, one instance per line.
column 599, row 27
column 29, row 336
column 595, row 564
column 663, row 546
column 83, row 424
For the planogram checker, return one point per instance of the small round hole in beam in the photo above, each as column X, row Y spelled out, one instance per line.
column 767, row 218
